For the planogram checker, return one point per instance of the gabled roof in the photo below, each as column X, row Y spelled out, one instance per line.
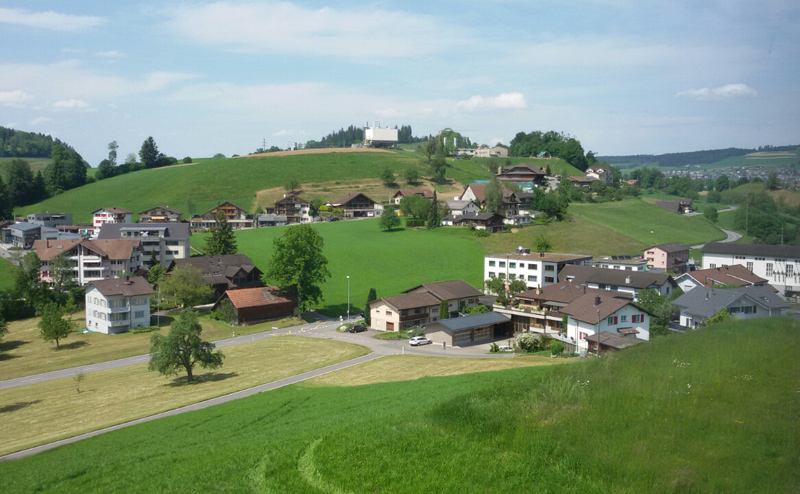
column 705, row 302
column 410, row 301
column 592, row 308
column 563, row 292
column 762, row 250
column 581, row 179
column 634, row 279
column 455, row 205
column 612, row 340
column 523, row 169
column 119, row 249
column 118, row 286
column 349, row 197
column 469, row 322
column 599, row 168
column 165, row 208
column 255, row 297
column 479, row 191
column 448, row 290
column 727, row 275
column 671, row 248
column 217, row 269
column 477, row 217
column 427, row 194
column 171, row 230
column 292, row 198
column 226, row 203
column 114, row 210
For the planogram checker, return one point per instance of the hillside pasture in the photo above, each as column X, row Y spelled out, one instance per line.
column 37, row 164
column 707, row 411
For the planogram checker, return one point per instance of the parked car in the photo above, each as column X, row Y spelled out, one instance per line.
column 505, row 348
column 419, row 340
column 357, row 328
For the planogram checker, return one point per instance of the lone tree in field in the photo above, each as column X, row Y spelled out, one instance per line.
column 291, row 185
column 411, row 174
column 182, row 348
column 373, row 295
column 298, row 266
column 389, row 219
column 222, row 241
column 387, row 176
column 53, row 326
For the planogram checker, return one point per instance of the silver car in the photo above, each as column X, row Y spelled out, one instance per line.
column 419, row 340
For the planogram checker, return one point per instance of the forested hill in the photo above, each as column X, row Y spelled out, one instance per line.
column 343, row 138
column 19, row 144
column 677, row 159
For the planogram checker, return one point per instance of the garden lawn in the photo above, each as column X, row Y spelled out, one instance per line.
column 23, row 352
column 7, row 276
column 46, row 412
column 712, row 410
column 647, row 223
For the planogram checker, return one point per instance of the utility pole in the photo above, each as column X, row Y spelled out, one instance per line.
column 264, row 144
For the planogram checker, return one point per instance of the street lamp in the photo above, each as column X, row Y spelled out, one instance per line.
column 348, row 298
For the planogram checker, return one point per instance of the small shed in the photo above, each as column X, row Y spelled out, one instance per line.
column 254, row 305
column 468, row 330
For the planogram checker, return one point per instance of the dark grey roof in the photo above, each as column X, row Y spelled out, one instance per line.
column 752, row 250
column 24, row 226
column 614, row 341
column 671, row 248
column 172, row 230
column 618, row 277
column 474, row 321
column 448, row 290
column 702, row 301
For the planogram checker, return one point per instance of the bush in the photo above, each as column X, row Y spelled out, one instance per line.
column 412, row 223
column 482, row 233
column 494, row 348
column 143, row 329
column 556, row 348
column 187, row 159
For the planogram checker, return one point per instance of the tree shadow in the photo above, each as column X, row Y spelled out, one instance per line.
column 202, row 378
column 73, row 345
column 12, row 345
column 161, row 321
column 18, row 406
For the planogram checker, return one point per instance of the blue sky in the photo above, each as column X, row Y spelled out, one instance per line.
column 624, row 77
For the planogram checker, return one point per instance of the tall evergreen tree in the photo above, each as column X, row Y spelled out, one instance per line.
column 20, row 182
column 149, row 154
column 6, row 211
column 373, row 295
column 433, row 213
column 222, row 241
column 444, row 310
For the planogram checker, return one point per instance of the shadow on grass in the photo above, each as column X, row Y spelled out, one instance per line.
column 161, row 321
column 12, row 345
column 18, row 406
column 203, row 378
column 73, row 345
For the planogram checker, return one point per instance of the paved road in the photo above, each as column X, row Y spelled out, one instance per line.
column 732, row 236
column 198, row 406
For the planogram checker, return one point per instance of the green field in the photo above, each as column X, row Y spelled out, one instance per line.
column 6, row 274
column 37, row 164
column 649, row 224
column 708, row 411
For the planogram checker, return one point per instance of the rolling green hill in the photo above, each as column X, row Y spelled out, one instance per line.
column 198, row 187
column 37, row 164
column 708, row 411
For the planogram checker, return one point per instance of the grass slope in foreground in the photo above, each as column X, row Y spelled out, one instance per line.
column 709, row 411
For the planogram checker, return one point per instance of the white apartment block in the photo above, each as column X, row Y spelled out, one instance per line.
column 537, row 269
column 117, row 305
column 778, row 264
column 90, row 260
column 110, row 215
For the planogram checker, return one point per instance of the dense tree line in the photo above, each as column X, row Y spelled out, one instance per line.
column 149, row 157
column 19, row 144
column 556, row 143
column 344, row 138
column 678, row 159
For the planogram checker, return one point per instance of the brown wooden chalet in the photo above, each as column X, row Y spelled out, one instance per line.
column 480, row 221
column 356, row 205
column 235, row 215
column 523, row 173
column 254, row 305
column 160, row 214
column 223, row 272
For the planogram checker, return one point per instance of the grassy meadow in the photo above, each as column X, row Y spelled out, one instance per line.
column 34, row 414
column 708, row 411
column 6, row 274
column 37, row 164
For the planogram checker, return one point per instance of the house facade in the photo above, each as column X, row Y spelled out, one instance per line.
column 593, row 314
column 621, row 283
column 160, row 214
column 537, row 269
column 668, row 257
column 90, row 260
column 23, row 234
column 164, row 241
column 358, row 205
column 458, row 208
column 523, row 173
column 736, row 275
column 420, row 305
column 601, row 172
column 110, row 215
column 748, row 302
column 118, row 305
column 234, row 215
column 294, row 208
column 223, row 273
column 778, row 264
column 477, row 194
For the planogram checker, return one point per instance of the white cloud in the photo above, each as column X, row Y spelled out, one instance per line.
column 39, row 120
column 109, row 54
column 723, row 92
column 70, row 104
column 50, row 20
column 16, row 98
column 286, row 28
column 504, row 101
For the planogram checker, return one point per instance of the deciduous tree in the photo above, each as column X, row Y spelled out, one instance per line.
column 53, row 326
column 415, row 206
column 186, row 287
column 411, row 174
column 387, row 176
column 389, row 219
column 494, row 196
column 298, row 265
column 183, row 348
column 444, row 310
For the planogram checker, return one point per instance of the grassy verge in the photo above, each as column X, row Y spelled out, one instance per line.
column 7, row 279
column 708, row 411
column 22, row 351
column 46, row 412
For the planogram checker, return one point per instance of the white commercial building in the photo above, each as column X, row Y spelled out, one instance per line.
column 778, row 264
column 537, row 269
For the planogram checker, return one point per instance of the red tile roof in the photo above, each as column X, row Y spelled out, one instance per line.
column 255, row 297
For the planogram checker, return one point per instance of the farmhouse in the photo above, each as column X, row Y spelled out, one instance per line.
column 680, row 206
column 537, row 269
column 523, row 173
column 581, row 181
column 90, row 260
column 458, row 208
column 358, row 205
column 747, row 302
column 160, row 214
column 420, row 304
column 736, row 275
column 254, row 305
column 492, row 222
column 234, row 215
column 468, row 330
column 778, row 264
column 668, row 257
column 293, row 208
column 625, row 283
column 117, row 305
column 600, row 172
column 400, row 194
column 163, row 241
column 477, row 193
column 223, row 273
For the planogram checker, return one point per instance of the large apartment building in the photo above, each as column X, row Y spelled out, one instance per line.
column 164, row 241
column 537, row 269
column 90, row 260
column 778, row 264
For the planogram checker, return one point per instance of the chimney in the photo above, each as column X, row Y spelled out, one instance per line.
column 128, row 280
column 627, row 280
column 538, row 291
column 597, row 300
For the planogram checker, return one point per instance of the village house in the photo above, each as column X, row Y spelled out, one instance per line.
column 223, row 273
column 400, row 194
column 778, row 264
column 163, row 242
column 90, row 260
column 234, row 215
column 680, row 206
column 458, row 208
column 624, row 283
column 523, row 173
column 581, row 180
column 294, row 208
column 477, row 193
column 490, row 152
column 23, row 234
column 664, row 258
column 729, row 276
column 602, row 173
column 160, row 214
column 537, row 269
column 748, row 302
column 105, row 216
column 254, row 305
column 492, row 222
column 419, row 305
column 357, row 205
column 117, row 305
column 594, row 314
